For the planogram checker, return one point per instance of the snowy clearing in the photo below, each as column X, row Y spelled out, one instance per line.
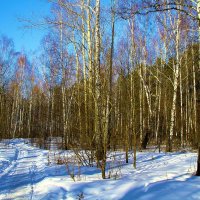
column 25, row 173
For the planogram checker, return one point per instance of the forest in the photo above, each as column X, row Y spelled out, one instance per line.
column 109, row 75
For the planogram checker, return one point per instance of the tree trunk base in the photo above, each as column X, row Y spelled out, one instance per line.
column 198, row 163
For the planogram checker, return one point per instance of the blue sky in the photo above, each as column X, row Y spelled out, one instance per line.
column 11, row 10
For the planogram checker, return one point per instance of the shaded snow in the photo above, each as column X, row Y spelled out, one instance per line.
column 25, row 173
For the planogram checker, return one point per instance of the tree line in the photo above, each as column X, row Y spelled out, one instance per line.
column 102, row 83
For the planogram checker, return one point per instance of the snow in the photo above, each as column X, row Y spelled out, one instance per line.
column 27, row 172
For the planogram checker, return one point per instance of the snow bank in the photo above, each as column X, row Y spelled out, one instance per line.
column 26, row 173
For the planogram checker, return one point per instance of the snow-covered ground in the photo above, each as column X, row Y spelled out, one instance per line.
column 27, row 172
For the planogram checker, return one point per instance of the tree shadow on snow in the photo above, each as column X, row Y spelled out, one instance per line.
column 168, row 189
